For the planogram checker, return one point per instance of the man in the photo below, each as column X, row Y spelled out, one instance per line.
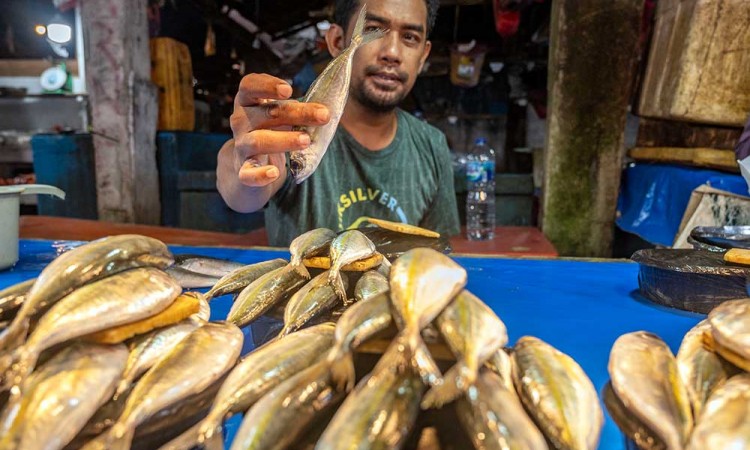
column 382, row 161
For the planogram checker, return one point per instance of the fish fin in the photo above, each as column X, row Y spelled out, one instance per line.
column 119, row 437
column 342, row 371
column 455, row 382
column 422, row 361
column 124, row 385
column 14, row 336
column 23, row 364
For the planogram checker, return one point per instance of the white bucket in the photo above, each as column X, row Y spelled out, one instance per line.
column 10, row 202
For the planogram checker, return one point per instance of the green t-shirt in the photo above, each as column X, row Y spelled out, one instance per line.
column 409, row 181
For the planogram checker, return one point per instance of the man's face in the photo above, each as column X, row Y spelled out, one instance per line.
column 384, row 71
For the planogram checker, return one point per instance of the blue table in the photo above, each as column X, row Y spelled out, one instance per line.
column 578, row 306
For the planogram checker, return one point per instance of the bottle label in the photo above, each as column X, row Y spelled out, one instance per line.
column 489, row 170
column 475, row 171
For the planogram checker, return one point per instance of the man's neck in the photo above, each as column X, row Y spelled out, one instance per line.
column 374, row 131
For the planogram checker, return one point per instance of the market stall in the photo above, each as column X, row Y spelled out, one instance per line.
column 579, row 306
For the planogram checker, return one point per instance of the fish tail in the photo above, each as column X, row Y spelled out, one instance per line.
column 300, row 268
column 338, row 284
column 455, row 382
column 359, row 37
column 186, row 440
column 342, row 370
column 210, row 294
column 422, row 360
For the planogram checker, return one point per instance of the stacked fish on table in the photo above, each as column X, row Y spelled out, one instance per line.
column 100, row 351
column 698, row 399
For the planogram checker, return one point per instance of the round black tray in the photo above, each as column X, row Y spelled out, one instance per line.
column 691, row 280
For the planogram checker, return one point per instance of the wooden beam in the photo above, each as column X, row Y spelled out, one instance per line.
column 594, row 47
column 123, row 108
column 668, row 133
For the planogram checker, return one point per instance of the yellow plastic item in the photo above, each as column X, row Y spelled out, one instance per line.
column 363, row 265
column 183, row 307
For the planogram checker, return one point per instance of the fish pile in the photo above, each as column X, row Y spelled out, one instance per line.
column 105, row 351
column 698, row 399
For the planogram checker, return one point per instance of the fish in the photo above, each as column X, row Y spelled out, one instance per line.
column 348, row 247
column 311, row 243
column 557, row 394
column 206, row 265
column 191, row 280
column 238, row 279
column 382, row 410
column 262, row 294
column 159, row 429
column 730, row 331
column 12, row 297
column 194, row 364
column 146, row 350
column 638, row 432
column 311, row 301
column 494, row 418
column 359, row 323
column 61, row 396
column 253, row 377
column 81, row 265
column 369, row 285
column 724, row 423
column 122, row 298
column 423, row 282
column 279, row 418
column 474, row 333
column 501, row 365
column 645, row 378
column 331, row 88
column 701, row 371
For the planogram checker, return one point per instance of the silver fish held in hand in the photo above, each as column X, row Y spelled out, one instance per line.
column 331, row 89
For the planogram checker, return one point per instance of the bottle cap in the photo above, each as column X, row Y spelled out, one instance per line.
column 452, row 120
column 480, row 141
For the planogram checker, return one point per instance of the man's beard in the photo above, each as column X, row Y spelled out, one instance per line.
column 372, row 98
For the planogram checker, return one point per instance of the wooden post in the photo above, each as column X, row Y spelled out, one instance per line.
column 594, row 48
column 123, row 109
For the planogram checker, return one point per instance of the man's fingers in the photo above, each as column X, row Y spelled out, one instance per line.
column 253, row 176
column 256, row 87
column 261, row 142
column 292, row 113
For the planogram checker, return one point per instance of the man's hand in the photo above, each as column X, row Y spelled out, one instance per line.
column 261, row 124
column 252, row 167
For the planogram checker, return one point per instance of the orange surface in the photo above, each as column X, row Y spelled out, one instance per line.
column 511, row 241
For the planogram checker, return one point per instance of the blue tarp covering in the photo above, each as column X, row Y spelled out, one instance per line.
column 653, row 197
column 580, row 307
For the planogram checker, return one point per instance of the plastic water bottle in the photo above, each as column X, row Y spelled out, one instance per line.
column 480, row 192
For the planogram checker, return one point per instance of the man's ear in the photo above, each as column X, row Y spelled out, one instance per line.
column 425, row 54
column 335, row 40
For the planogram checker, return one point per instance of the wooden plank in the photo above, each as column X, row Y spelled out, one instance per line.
column 670, row 133
column 33, row 67
column 699, row 63
column 592, row 60
column 701, row 157
column 123, row 109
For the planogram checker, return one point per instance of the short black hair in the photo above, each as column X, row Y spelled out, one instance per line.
column 345, row 9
